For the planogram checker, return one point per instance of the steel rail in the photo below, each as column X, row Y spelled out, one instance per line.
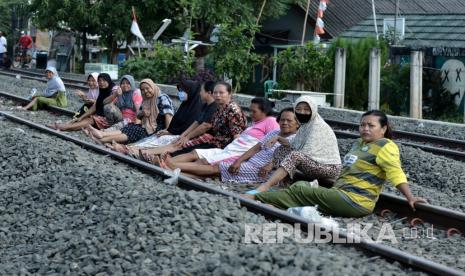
column 398, row 134
column 457, row 155
column 39, row 74
column 401, row 134
column 385, row 251
column 428, row 213
column 454, row 154
column 42, row 79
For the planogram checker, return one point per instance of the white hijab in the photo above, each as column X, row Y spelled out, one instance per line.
column 316, row 138
column 55, row 84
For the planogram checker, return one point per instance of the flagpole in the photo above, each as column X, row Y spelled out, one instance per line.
column 374, row 19
column 138, row 46
column 305, row 23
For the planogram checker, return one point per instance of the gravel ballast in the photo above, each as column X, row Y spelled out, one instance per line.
column 436, row 178
column 66, row 210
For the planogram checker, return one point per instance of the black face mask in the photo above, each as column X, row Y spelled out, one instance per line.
column 303, row 118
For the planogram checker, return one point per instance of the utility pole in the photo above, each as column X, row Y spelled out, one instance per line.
column 395, row 22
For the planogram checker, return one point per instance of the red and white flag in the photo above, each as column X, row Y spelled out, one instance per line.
column 135, row 27
column 320, row 25
column 322, row 8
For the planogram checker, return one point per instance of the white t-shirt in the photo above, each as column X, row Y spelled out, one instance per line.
column 2, row 44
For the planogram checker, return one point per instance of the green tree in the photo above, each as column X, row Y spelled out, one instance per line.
column 202, row 16
column 79, row 16
column 303, row 68
column 232, row 52
column 13, row 19
column 166, row 64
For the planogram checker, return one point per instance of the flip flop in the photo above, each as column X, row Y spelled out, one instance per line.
column 252, row 192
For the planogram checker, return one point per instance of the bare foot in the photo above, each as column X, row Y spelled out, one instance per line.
column 169, row 163
column 86, row 132
column 118, row 147
column 151, row 158
column 96, row 140
column 52, row 126
column 95, row 132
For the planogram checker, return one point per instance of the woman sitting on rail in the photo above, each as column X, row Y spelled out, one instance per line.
column 90, row 97
column 314, row 150
column 227, row 123
column 54, row 94
column 372, row 160
column 95, row 115
column 144, row 125
column 248, row 168
column 202, row 162
column 189, row 95
column 122, row 105
column 195, row 134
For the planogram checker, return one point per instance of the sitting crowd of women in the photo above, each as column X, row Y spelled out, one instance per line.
column 208, row 137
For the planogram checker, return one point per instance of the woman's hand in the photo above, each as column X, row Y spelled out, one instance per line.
column 235, row 167
column 271, row 142
column 415, row 200
column 144, row 113
column 81, row 94
column 181, row 141
column 265, row 170
column 118, row 91
column 162, row 132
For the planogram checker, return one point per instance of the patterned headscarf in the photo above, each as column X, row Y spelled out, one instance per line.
column 316, row 138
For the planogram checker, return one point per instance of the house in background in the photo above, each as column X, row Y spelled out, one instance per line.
column 437, row 27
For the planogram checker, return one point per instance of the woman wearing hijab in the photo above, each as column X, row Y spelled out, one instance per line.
column 54, row 94
column 90, row 97
column 372, row 161
column 191, row 105
column 122, row 106
column 204, row 162
column 145, row 123
column 314, row 150
column 95, row 115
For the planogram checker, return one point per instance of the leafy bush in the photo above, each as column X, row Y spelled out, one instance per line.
column 357, row 68
column 395, row 89
column 165, row 64
column 303, row 68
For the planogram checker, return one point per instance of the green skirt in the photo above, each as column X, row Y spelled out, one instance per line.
column 59, row 99
column 329, row 201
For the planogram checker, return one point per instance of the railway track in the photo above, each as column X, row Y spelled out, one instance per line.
column 451, row 221
column 447, row 147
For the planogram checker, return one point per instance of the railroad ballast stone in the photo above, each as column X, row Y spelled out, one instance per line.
column 83, row 213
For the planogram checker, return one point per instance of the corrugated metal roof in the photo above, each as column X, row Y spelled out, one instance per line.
column 344, row 14
column 427, row 30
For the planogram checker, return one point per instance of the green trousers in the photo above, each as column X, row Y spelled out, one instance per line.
column 330, row 201
column 59, row 99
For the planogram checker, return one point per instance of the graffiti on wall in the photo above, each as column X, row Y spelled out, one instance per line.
column 453, row 78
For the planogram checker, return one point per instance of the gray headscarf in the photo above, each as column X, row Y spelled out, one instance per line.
column 316, row 138
column 55, row 84
column 125, row 100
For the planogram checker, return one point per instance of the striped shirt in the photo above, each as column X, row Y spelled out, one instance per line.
column 365, row 170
